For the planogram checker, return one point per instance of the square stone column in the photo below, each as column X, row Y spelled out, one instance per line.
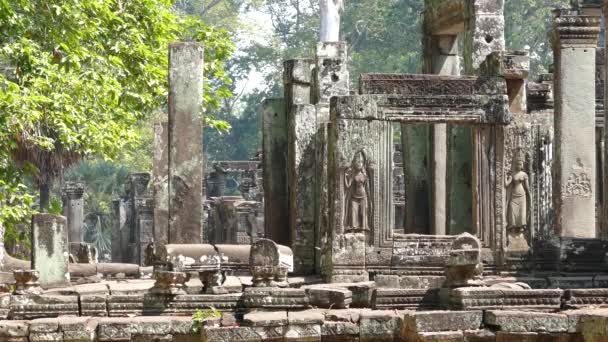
column 72, row 195
column 441, row 57
column 120, row 230
column 50, row 255
column 144, row 209
column 160, row 184
column 276, row 194
column 574, row 168
column 185, row 143
column 297, row 78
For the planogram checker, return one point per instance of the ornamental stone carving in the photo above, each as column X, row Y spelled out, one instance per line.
column 356, row 181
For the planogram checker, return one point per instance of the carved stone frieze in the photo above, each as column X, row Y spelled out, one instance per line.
column 578, row 185
column 573, row 29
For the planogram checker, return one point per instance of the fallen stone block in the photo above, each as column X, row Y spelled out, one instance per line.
column 479, row 336
column 340, row 331
column 329, row 298
column 421, row 282
column 263, row 319
column 14, row 328
column 503, row 336
column 521, row 321
column 41, row 306
column 580, row 298
column 379, row 325
column 570, row 282
column 399, row 299
column 436, row 321
column 78, row 329
column 444, row 336
column 93, row 305
column 46, row 337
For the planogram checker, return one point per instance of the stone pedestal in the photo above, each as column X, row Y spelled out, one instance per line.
column 185, row 143
column 73, row 209
column 169, row 283
column 50, row 254
column 27, row 282
column 574, row 168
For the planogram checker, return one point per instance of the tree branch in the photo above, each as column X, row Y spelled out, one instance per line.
column 210, row 6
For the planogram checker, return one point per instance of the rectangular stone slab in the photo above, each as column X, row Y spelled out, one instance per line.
column 50, row 254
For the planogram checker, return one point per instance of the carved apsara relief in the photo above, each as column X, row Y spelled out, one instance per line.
column 517, row 184
column 356, row 195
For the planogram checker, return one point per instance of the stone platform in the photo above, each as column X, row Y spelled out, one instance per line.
column 322, row 325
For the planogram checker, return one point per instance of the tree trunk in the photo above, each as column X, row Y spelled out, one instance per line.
column 45, row 194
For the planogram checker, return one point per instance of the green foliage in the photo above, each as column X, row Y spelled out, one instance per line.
column 56, row 206
column 200, row 316
column 79, row 77
column 528, row 23
column 104, row 180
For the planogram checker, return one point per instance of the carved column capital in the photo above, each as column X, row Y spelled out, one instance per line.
column 137, row 183
column 574, row 30
column 144, row 205
column 73, row 190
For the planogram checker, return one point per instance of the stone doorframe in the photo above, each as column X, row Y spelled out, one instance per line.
column 360, row 158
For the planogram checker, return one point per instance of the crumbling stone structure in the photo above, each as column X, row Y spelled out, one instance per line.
column 507, row 250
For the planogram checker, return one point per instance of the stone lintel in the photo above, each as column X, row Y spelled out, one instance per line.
column 454, row 109
column 575, row 30
column 444, row 17
column 73, row 190
column 424, row 85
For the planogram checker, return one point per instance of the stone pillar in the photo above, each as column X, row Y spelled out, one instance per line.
column 478, row 148
column 574, row 168
column 73, row 209
column 160, row 184
column 144, row 210
column 50, row 254
column 297, row 78
column 605, row 149
column 185, row 143
column 120, row 227
column 136, row 187
column 330, row 78
column 442, row 59
column 276, row 194
column 484, row 32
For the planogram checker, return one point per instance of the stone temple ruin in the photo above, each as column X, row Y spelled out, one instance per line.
column 485, row 221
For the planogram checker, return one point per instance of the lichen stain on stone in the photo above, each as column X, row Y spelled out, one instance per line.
column 180, row 190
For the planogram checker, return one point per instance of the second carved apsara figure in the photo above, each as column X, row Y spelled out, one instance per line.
column 518, row 189
column 517, row 184
column 356, row 190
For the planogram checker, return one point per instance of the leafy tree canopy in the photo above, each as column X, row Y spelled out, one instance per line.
column 79, row 75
